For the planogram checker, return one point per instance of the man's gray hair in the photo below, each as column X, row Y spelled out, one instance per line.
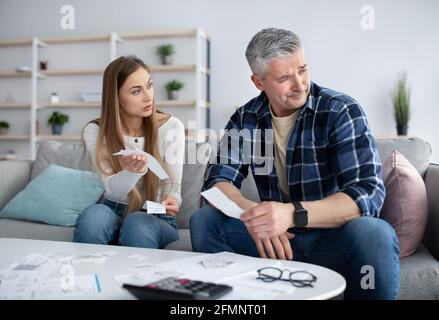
column 268, row 44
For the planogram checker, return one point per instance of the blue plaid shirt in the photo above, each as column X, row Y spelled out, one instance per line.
column 330, row 150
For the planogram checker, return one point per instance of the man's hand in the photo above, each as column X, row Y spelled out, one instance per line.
column 133, row 163
column 171, row 205
column 277, row 247
column 269, row 219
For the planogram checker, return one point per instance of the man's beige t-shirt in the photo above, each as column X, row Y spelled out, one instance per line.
column 282, row 128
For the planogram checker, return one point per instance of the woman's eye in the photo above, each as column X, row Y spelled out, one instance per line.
column 136, row 92
column 150, row 85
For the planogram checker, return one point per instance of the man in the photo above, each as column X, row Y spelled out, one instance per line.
column 322, row 196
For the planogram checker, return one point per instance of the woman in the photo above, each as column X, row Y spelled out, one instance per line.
column 129, row 120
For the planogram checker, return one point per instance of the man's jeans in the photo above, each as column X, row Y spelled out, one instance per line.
column 365, row 250
column 105, row 224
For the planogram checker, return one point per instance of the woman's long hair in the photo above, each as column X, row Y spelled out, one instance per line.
column 110, row 139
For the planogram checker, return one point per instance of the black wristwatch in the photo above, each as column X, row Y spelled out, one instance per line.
column 300, row 215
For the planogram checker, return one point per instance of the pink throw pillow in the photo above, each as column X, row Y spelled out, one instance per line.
column 405, row 206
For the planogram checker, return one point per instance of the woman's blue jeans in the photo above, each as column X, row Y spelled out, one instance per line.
column 355, row 250
column 104, row 223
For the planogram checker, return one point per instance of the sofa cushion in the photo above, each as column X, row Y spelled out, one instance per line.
column 62, row 154
column 182, row 244
column 56, row 196
column 11, row 228
column 417, row 151
column 405, row 206
column 15, row 176
column 191, row 184
column 419, row 276
column 431, row 236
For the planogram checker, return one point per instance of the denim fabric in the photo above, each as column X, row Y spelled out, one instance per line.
column 364, row 241
column 106, row 223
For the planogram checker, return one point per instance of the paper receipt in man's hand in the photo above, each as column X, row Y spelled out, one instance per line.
column 153, row 164
column 220, row 201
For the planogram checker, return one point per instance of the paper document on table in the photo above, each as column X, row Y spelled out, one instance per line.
column 154, row 207
column 145, row 273
column 58, row 288
column 218, row 267
column 21, row 279
column 248, row 293
column 250, row 280
column 220, row 201
column 28, row 278
column 153, row 164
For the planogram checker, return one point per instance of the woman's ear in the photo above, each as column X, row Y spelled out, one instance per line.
column 257, row 81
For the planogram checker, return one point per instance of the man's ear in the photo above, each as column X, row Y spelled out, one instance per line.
column 257, row 81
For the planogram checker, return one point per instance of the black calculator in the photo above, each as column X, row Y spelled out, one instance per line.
column 174, row 288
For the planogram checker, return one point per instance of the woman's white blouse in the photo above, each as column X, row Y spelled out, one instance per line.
column 171, row 144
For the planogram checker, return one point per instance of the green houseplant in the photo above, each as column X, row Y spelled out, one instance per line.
column 4, row 127
column 173, row 87
column 165, row 52
column 401, row 105
column 57, row 120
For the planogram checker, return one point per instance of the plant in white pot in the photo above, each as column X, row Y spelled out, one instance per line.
column 4, row 127
column 401, row 105
column 173, row 87
column 165, row 52
column 57, row 120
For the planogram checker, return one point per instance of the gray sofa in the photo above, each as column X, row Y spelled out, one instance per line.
column 419, row 272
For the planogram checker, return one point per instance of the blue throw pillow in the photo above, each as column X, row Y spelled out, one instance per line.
column 56, row 196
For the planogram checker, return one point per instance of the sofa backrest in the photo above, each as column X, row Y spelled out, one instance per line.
column 416, row 150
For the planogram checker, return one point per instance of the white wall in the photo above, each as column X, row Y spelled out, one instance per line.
column 363, row 64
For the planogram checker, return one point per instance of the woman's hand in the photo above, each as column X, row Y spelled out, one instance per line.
column 171, row 205
column 134, row 163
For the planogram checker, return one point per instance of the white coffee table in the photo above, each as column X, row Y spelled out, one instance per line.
column 330, row 284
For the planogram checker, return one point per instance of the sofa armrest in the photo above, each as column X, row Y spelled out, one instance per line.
column 15, row 176
column 431, row 236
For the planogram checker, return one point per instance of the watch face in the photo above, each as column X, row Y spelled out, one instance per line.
column 301, row 218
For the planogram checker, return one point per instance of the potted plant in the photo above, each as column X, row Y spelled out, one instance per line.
column 57, row 120
column 401, row 105
column 4, row 127
column 173, row 87
column 165, row 52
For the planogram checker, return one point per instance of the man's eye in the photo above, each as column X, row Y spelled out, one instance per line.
column 303, row 71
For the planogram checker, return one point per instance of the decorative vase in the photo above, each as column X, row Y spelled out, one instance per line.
column 56, row 129
column 402, row 129
column 173, row 95
column 4, row 131
column 166, row 60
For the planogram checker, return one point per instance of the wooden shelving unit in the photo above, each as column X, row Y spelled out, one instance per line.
column 198, row 104
column 11, row 137
column 14, row 105
column 59, row 137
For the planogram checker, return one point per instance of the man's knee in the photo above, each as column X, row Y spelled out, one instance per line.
column 372, row 230
column 204, row 217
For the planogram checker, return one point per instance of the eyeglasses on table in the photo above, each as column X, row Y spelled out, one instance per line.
column 298, row 278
